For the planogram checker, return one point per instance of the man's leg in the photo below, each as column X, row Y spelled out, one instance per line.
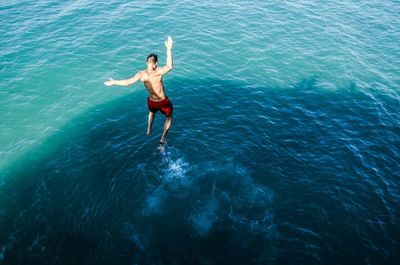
column 150, row 123
column 167, row 124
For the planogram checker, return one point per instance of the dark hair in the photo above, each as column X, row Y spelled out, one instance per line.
column 152, row 57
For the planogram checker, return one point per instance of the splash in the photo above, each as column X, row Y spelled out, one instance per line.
column 173, row 179
column 174, row 165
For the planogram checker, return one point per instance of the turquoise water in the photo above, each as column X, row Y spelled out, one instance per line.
column 284, row 147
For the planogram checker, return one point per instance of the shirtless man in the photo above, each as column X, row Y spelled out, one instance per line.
column 152, row 80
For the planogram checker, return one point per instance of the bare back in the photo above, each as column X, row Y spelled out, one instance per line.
column 152, row 80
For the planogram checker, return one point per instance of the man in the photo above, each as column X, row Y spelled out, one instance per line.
column 152, row 80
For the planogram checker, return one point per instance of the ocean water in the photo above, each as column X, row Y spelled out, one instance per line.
column 284, row 149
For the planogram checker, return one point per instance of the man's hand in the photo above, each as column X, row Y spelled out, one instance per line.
column 168, row 43
column 168, row 66
column 109, row 83
column 126, row 82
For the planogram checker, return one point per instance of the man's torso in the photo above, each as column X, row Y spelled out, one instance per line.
column 153, row 83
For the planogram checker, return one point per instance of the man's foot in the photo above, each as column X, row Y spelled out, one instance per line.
column 149, row 132
column 163, row 141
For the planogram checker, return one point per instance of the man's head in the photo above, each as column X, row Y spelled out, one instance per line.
column 152, row 59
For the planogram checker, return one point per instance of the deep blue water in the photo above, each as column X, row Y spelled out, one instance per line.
column 284, row 148
column 301, row 177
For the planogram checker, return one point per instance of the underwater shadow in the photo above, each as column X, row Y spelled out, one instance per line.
column 103, row 193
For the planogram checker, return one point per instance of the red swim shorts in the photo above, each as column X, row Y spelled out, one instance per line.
column 165, row 106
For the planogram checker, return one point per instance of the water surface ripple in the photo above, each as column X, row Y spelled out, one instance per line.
column 284, row 147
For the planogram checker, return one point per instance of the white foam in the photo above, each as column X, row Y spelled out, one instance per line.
column 175, row 167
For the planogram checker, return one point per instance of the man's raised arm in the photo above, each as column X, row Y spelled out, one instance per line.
column 126, row 82
column 168, row 66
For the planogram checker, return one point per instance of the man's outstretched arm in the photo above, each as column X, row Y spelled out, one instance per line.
column 168, row 66
column 126, row 82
